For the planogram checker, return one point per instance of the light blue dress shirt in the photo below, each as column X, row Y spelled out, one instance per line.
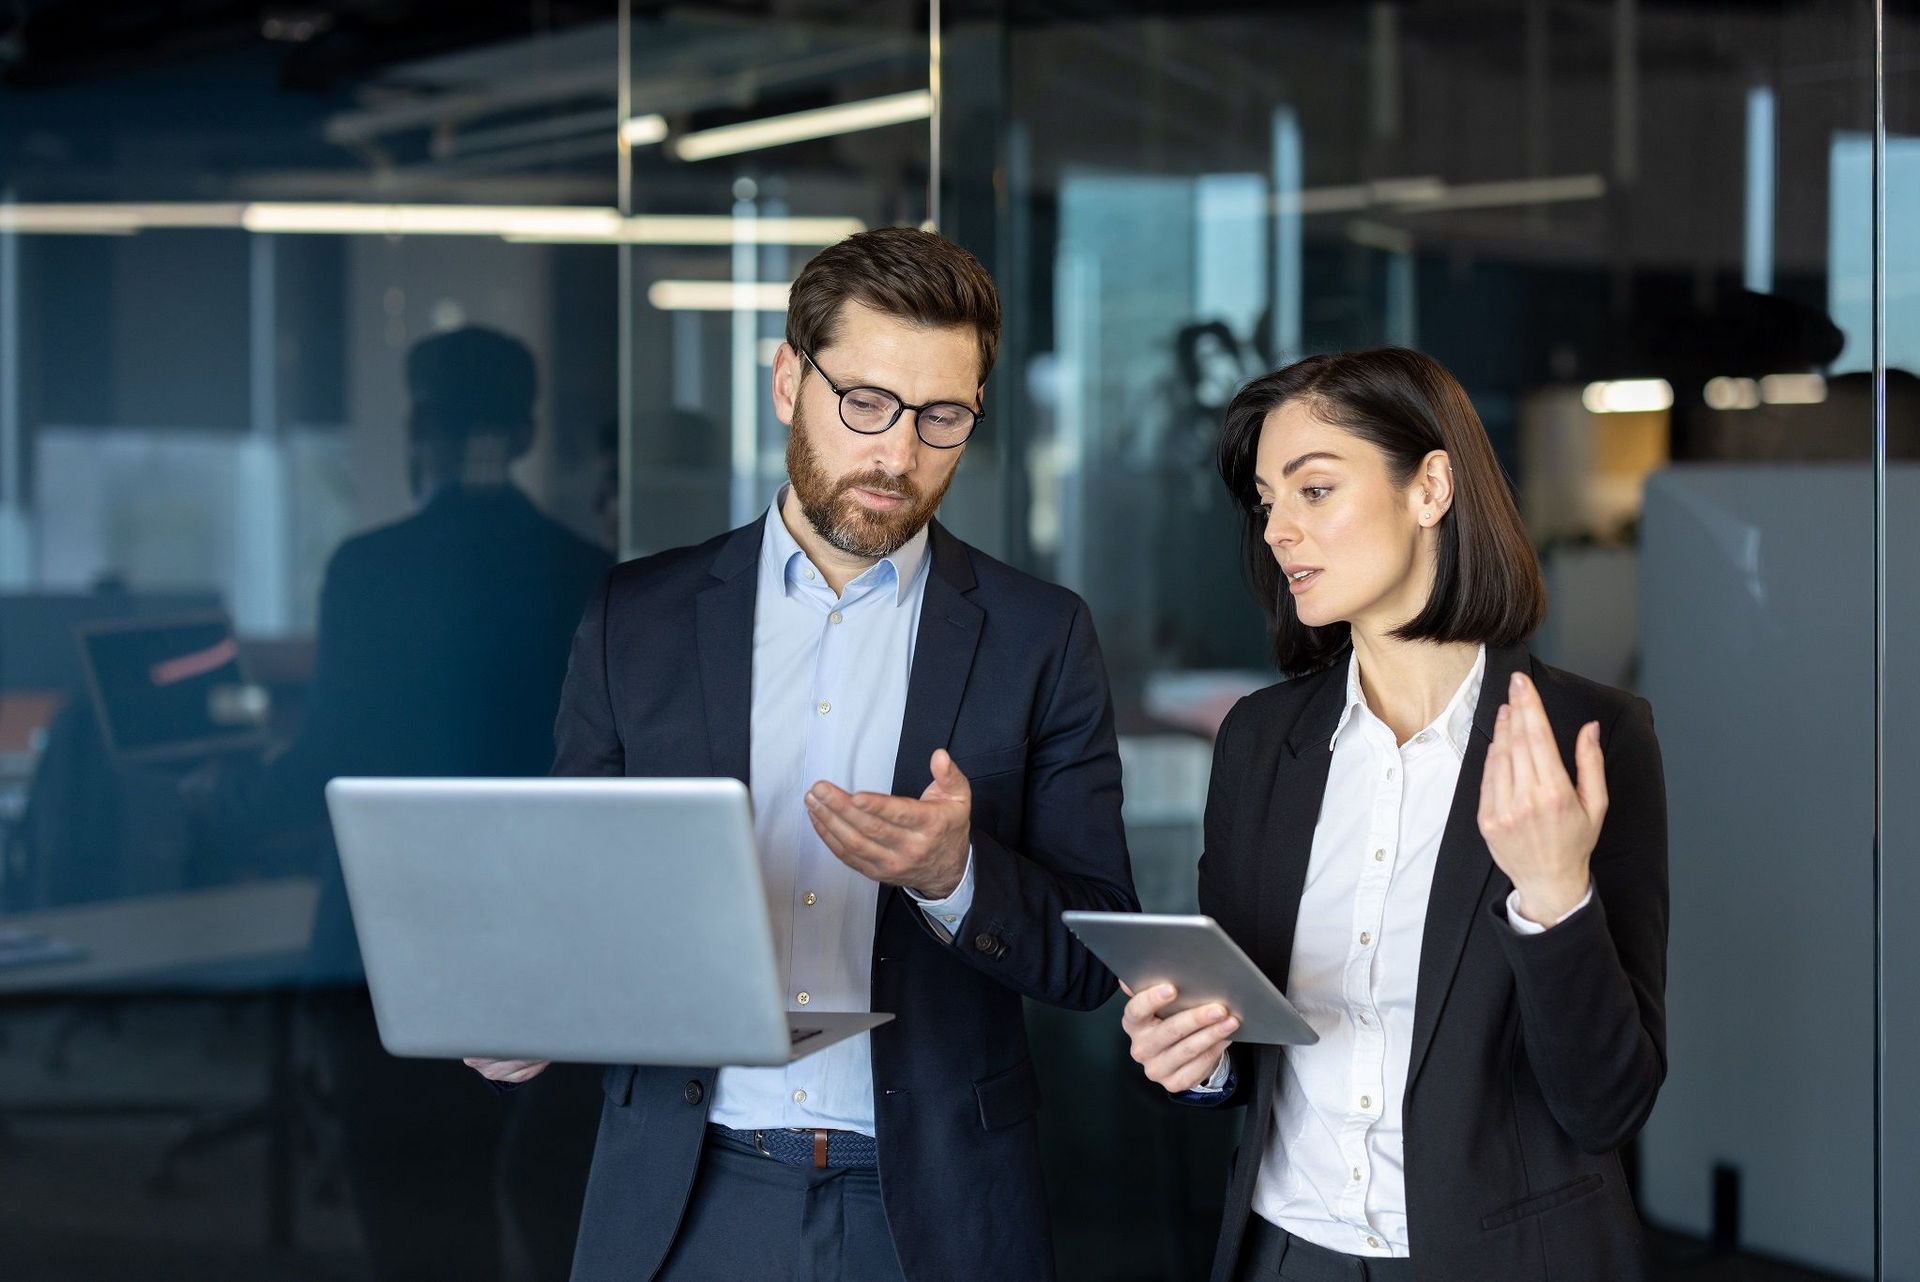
column 829, row 691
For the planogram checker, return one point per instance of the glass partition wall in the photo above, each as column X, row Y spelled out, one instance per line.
column 1642, row 233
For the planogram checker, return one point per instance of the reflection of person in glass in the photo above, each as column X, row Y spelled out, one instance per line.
column 1450, row 856
column 929, row 742
column 441, row 647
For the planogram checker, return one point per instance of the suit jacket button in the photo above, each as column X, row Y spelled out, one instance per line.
column 694, row 1093
column 985, row 943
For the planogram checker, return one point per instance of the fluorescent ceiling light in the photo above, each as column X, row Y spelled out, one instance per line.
column 1628, row 396
column 535, row 224
column 1793, row 389
column 717, row 296
column 643, row 131
column 822, row 122
column 715, row 229
column 1725, row 393
column 431, row 220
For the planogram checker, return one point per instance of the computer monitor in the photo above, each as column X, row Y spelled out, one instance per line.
column 171, row 689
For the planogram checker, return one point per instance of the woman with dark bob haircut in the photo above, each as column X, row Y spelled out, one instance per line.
column 1450, row 856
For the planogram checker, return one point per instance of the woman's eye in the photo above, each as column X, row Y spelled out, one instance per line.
column 1314, row 493
column 1263, row 510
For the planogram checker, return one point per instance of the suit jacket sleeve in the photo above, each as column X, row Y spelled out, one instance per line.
column 585, row 740
column 1075, row 851
column 1592, row 990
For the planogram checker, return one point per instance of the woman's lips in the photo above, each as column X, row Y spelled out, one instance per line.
column 1302, row 583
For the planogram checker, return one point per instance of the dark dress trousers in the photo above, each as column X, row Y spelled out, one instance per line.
column 1534, row 1058
column 1008, row 678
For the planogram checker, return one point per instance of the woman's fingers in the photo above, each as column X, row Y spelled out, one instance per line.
column 1543, row 754
column 1592, row 765
column 1191, row 1060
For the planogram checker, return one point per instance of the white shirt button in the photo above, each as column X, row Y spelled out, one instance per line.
column 806, row 572
column 1356, row 1174
column 810, row 899
column 835, row 617
column 824, row 708
column 1363, row 1017
column 1379, row 856
column 1366, row 1101
column 1366, row 937
column 948, row 917
column 803, row 998
column 799, row 1097
column 1374, row 1242
column 1389, row 774
column 1425, row 736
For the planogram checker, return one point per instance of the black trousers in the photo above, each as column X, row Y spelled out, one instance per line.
column 1270, row 1253
column 753, row 1217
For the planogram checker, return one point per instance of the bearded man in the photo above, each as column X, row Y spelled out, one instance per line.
column 928, row 739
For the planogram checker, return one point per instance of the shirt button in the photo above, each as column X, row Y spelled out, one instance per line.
column 824, row 708
column 1379, row 856
column 1366, row 1101
column 1389, row 774
column 1356, row 1173
column 1374, row 1242
column 1425, row 736
column 807, row 572
column 804, row 998
column 809, row 899
column 835, row 617
column 1366, row 937
column 948, row 917
column 1363, row 1017
column 799, row 1097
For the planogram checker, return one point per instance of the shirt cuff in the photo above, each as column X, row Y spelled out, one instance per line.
column 1525, row 927
column 948, row 913
column 1220, row 1080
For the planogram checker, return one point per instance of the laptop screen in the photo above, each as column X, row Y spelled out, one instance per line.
column 171, row 687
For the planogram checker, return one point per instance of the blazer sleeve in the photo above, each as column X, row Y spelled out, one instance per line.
column 1592, row 990
column 1075, row 850
column 586, row 741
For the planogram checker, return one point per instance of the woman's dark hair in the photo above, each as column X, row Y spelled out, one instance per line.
column 1486, row 587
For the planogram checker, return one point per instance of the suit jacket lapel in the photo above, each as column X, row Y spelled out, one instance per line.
column 724, row 613
column 1463, row 868
column 942, row 659
column 1298, row 769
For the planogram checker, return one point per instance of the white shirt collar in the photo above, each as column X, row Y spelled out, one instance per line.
column 1455, row 720
column 780, row 549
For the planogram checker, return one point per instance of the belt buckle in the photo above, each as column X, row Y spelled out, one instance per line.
column 760, row 1143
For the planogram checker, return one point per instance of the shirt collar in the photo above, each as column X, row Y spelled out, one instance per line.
column 1455, row 720
column 781, row 555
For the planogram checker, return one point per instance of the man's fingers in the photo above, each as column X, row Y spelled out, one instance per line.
column 846, row 842
column 949, row 781
column 860, row 811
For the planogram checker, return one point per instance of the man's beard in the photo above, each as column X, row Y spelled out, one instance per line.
column 843, row 520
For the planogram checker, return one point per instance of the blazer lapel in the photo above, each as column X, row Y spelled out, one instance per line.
column 724, row 624
column 1298, row 770
column 942, row 658
column 1463, row 868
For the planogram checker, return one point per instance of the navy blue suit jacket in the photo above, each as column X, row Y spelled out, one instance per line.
column 1007, row 677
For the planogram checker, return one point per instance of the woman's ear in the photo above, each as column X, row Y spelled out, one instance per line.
column 1436, row 488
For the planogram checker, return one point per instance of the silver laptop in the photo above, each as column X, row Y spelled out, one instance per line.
column 605, row 921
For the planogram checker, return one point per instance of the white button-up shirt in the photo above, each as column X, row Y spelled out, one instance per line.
column 830, row 681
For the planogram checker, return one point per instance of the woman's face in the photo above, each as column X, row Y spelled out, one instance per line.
column 1348, row 540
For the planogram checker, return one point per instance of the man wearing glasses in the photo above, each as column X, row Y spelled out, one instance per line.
column 928, row 739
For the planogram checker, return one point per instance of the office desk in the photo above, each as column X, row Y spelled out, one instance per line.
column 236, row 940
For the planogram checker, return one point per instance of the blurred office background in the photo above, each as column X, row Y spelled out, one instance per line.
column 1642, row 232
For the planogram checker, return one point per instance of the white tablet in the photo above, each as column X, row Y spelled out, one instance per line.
column 1201, row 962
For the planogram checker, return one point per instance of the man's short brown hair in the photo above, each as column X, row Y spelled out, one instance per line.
column 902, row 272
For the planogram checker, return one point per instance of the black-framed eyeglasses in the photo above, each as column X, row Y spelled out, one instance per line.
column 945, row 425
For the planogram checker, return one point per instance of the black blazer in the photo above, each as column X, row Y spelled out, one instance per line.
column 1007, row 677
column 1534, row 1057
